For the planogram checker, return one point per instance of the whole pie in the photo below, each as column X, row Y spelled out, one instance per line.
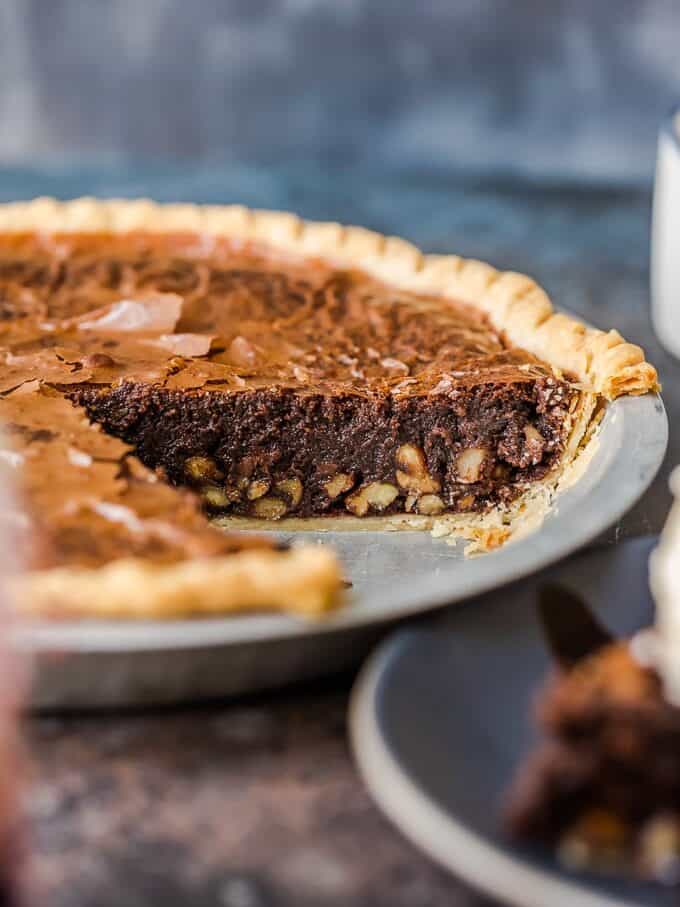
column 164, row 364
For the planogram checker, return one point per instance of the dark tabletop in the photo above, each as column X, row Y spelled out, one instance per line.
column 256, row 803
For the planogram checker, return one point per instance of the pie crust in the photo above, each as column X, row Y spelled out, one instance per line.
column 602, row 364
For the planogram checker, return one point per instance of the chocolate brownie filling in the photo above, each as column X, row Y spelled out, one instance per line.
column 604, row 787
column 277, row 386
column 279, row 451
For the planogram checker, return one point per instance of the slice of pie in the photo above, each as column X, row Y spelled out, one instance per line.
column 603, row 786
column 279, row 369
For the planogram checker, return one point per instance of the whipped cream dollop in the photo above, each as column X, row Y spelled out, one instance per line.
column 664, row 576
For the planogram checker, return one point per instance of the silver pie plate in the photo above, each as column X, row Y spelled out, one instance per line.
column 394, row 575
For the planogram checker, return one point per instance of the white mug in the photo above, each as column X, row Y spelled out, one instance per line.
column 665, row 253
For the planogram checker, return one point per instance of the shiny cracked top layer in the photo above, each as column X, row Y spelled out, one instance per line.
column 197, row 312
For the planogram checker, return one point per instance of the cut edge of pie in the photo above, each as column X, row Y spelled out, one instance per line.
column 307, row 579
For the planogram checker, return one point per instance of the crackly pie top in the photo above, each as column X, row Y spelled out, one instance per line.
column 206, row 313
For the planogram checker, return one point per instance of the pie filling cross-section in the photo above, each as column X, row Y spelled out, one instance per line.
column 279, row 369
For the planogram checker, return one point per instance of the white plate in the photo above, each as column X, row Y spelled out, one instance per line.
column 394, row 575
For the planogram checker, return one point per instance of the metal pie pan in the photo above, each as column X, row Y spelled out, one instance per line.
column 394, row 575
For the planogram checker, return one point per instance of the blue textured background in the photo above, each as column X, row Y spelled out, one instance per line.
column 573, row 88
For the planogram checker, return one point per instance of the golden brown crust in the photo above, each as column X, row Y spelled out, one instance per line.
column 515, row 305
column 302, row 581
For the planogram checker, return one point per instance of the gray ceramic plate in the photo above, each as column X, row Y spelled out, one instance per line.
column 394, row 575
column 440, row 720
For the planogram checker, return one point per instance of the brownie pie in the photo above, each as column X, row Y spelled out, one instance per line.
column 603, row 788
column 266, row 367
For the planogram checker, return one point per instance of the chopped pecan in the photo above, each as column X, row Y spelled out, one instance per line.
column 338, row 484
column 202, row 469
column 291, row 489
column 217, row 497
column 257, row 489
column 269, row 508
column 430, row 504
column 412, row 474
column 374, row 496
column 469, row 464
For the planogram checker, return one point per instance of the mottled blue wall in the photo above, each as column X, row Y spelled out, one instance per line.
column 546, row 87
